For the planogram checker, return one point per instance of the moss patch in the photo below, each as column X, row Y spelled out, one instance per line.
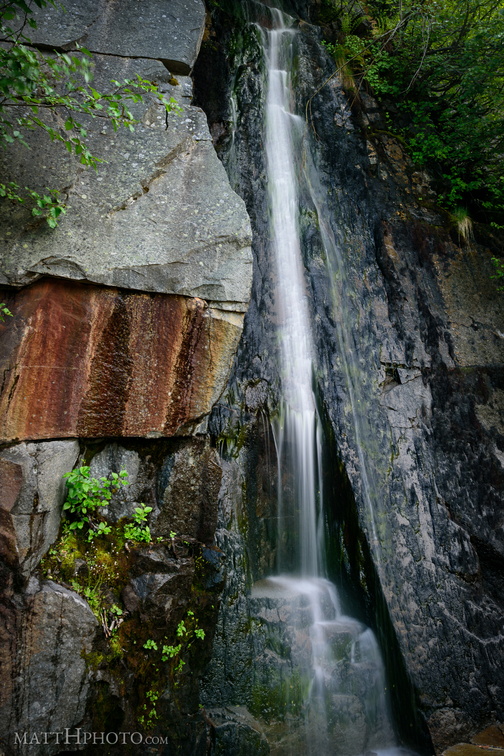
column 281, row 698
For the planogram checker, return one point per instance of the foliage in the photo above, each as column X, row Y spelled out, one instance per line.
column 85, row 495
column 439, row 68
column 138, row 530
column 499, row 271
column 150, row 716
column 187, row 631
column 99, row 570
column 94, row 569
column 4, row 310
column 32, row 83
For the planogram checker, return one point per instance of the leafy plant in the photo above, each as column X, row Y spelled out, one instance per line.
column 86, row 494
column 186, row 634
column 149, row 718
column 4, row 310
column 32, row 84
column 187, row 631
column 439, row 68
column 138, row 530
column 499, row 271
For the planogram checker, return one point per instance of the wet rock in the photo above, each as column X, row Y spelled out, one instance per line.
column 215, row 574
column 189, row 485
column 91, row 362
column 32, row 494
column 45, row 681
column 348, row 724
column 156, row 593
column 407, row 331
column 234, row 730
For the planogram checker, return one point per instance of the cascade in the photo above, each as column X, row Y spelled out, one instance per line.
column 333, row 655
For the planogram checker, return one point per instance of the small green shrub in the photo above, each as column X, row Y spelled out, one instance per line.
column 138, row 530
column 4, row 310
column 150, row 716
column 187, row 630
column 86, row 494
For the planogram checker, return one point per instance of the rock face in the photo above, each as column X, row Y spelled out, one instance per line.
column 126, row 321
column 85, row 361
column 160, row 215
column 44, row 671
column 193, row 474
column 33, row 491
column 171, row 33
column 408, row 331
column 126, row 318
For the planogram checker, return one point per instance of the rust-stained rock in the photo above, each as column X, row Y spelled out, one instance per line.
column 467, row 749
column 87, row 361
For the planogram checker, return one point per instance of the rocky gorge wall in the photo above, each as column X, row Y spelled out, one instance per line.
column 408, row 331
column 126, row 322
column 126, row 318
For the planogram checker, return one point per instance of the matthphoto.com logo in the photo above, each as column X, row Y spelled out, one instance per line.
column 79, row 737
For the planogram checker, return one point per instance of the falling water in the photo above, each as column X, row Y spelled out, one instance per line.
column 344, row 710
column 283, row 130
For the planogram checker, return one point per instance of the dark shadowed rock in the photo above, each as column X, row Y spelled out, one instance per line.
column 190, row 481
column 236, row 731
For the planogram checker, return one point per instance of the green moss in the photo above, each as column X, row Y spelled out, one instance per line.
column 61, row 558
column 231, row 441
column 276, row 700
column 99, row 570
column 94, row 659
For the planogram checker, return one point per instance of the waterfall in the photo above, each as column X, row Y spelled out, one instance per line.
column 336, row 659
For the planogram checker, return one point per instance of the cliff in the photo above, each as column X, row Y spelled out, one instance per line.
column 408, row 335
column 126, row 318
column 139, row 343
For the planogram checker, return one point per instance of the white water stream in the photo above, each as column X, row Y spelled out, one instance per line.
column 324, row 640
